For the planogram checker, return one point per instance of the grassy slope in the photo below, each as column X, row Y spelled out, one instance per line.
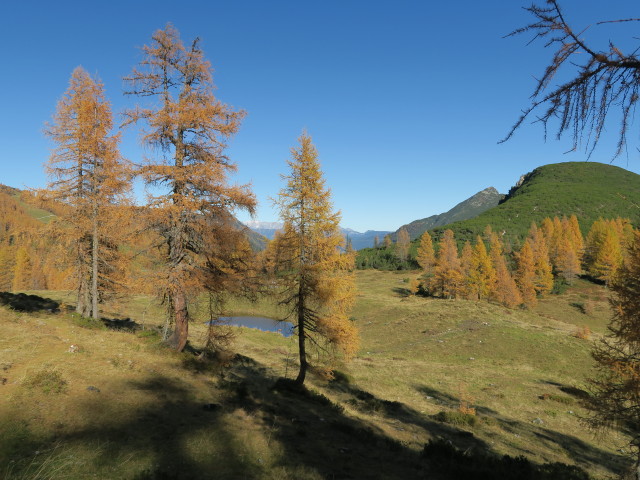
column 587, row 189
column 148, row 419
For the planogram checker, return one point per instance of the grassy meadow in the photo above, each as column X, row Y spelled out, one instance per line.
column 84, row 401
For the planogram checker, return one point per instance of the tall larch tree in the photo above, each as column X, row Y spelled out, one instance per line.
column 426, row 256
column 402, row 244
column 447, row 280
column 505, row 290
column 567, row 262
column 526, row 274
column 543, row 269
column 482, row 275
column 188, row 128
column 88, row 175
column 317, row 281
column 608, row 258
column 575, row 235
column 22, row 270
column 466, row 265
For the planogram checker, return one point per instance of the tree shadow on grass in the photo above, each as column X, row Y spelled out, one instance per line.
column 121, row 324
column 579, row 451
column 22, row 302
column 176, row 435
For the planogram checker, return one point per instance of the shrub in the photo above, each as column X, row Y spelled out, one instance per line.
column 457, row 418
column 583, row 333
column 48, row 381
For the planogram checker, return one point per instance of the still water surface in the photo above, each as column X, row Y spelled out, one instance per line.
column 261, row 323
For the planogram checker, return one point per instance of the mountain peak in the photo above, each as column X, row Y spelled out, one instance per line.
column 469, row 208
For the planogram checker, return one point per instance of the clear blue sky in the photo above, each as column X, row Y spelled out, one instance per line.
column 405, row 100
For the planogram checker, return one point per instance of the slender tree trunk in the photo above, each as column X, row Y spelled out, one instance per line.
column 83, row 306
column 94, row 264
column 301, row 339
column 178, row 339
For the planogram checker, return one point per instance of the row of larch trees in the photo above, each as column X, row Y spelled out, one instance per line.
column 553, row 251
column 190, row 205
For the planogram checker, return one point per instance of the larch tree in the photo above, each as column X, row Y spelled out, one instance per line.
column 426, row 257
column 447, row 279
column 505, row 290
column 22, row 270
column 543, row 270
column 615, row 399
column 526, row 275
column 567, row 261
column 316, row 280
column 466, row 265
column 188, row 128
column 482, row 275
column 88, row 175
column 608, row 258
column 402, row 244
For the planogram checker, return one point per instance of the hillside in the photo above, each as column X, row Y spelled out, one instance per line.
column 111, row 402
column 587, row 189
column 469, row 208
column 20, row 207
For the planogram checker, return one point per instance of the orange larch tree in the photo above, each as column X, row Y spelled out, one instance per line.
column 426, row 257
column 22, row 271
column 466, row 264
column 543, row 270
column 526, row 274
column 447, row 280
column 189, row 128
column 482, row 275
column 505, row 290
column 316, row 279
column 89, row 176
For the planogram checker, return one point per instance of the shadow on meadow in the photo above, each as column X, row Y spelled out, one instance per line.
column 579, row 451
column 288, row 433
column 22, row 302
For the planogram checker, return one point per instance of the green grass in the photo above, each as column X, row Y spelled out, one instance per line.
column 153, row 413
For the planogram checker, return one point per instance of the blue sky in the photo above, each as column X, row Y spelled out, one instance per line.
column 405, row 100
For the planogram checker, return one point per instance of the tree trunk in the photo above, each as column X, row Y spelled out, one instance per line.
column 94, row 265
column 178, row 339
column 83, row 306
column 301, row 341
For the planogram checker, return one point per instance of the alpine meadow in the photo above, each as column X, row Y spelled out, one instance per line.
column 279, row 269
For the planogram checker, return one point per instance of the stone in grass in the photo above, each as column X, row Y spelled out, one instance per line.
column 538, row 421
column 91, row 388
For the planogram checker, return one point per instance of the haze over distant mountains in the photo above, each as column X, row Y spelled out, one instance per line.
column 469, row 208
column 358, row 240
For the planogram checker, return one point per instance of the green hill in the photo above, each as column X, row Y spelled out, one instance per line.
column 587, row 189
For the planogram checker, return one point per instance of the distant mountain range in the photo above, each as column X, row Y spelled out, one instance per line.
column 358, row 240
column 469, row 208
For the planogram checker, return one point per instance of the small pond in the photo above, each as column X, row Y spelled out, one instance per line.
column 261, row 323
